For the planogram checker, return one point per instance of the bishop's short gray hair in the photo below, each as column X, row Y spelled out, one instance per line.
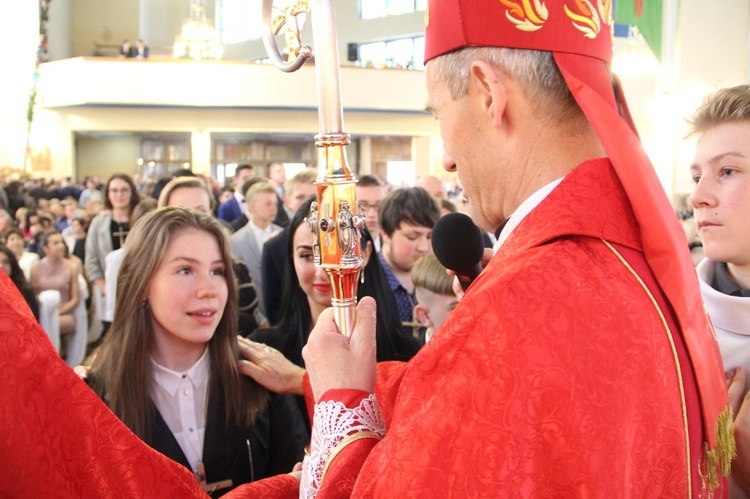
column 535, row 70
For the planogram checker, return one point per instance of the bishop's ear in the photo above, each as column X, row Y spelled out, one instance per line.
column 489, row 86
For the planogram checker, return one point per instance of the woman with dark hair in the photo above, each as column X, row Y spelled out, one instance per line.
column 15, row 241
column 307, row 292
column 11, row 268
column 108, row 230
column 168, row 366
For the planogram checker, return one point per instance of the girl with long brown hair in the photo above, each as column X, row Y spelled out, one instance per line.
column 168, row 367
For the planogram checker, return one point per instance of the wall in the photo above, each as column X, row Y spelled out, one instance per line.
column 129, row 82
column 201, row 123
column 19, row 34
column 104, row 155
column 60, row 26
column 713, row 53
column 103, row 21
column 709, row 43
column 159, row 21
column 351, row 29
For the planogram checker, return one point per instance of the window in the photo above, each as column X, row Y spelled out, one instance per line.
column 401, row 173
column 238, row 20
column 161, row 157
column 373, row 9
column 404, row 53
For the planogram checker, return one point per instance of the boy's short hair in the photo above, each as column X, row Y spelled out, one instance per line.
column 412, row 205
column 728, row 105
column 369, row 181
column 251, row 182
column 305, row 176
column 259, row 187
column 428, row 273
column 243, row 167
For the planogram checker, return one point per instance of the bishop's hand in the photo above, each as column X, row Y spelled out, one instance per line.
column 335, row 361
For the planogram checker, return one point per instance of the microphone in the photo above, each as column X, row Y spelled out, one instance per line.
column 458, row 246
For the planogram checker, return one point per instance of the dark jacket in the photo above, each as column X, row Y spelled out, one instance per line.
column 272, row 445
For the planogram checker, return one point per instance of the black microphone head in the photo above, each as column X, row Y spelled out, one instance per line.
column 457, row 242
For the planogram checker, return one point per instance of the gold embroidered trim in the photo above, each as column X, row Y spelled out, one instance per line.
column 674, row 355
column 346, row 441
column 720, row 459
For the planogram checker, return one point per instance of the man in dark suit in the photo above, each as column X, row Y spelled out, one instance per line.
column 277, row 176
column 140, row 51
column 232, row 209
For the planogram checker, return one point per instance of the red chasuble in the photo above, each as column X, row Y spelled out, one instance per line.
column 560, row 374
column 57, row 439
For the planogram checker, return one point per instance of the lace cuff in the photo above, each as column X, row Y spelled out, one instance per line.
column 334, row 427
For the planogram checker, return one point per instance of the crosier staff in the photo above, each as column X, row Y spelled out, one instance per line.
column 335, row 216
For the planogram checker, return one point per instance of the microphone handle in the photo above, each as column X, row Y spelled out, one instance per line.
column 467, row 276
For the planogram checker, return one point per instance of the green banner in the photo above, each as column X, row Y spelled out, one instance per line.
column 646, row 15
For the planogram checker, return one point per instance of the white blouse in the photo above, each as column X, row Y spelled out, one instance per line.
column 181, row 399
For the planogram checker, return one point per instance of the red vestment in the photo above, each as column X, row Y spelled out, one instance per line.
column 58, row 439
column 558, row 375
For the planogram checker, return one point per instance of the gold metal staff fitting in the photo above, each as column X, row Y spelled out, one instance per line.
column 335, row 217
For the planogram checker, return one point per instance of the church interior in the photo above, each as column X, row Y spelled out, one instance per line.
column 95, row 113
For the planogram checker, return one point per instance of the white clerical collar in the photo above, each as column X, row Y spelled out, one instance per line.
column 169, row 380
column 526, row 207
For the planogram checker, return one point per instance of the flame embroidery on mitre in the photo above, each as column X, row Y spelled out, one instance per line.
column 606, row 11
column 524, row 15
column 586, row 19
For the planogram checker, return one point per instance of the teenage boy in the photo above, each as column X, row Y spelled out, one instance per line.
column 407, row 216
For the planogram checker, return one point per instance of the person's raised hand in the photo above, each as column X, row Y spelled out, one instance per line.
column 297, row 471
column 458, row 290
column 82, row 371
column 269, row 367
column 335, row 361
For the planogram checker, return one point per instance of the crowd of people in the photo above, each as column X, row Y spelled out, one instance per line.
column 121, row 237
column 579, row 362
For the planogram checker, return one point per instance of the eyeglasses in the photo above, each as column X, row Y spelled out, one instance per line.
column 124, row 190
column 367, row 207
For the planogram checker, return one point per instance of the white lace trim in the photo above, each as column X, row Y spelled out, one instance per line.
column 332, row 423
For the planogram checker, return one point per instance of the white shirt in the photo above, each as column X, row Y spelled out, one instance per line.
column 261, row 235
column 27, row 260
column 523, row 210
column 112, row 263
column 181, row 399
column 241, row 201
column 730, row 316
